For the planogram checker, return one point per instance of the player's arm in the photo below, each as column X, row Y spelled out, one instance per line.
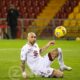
column 23, row 60
column 47, row 45
column 23, row 69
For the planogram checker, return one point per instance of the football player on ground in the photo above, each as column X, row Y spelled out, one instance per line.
column 30, row 54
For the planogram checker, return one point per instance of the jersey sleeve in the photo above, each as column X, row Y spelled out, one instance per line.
column 23, row 54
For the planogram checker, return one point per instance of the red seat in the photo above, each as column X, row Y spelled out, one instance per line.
column 32, row 7
column 19, row 22
column 5, row 15
column 9, row 2
column 26, row 15
column 26, row 23
column 0, row 15
column 22, row 11
column 28, row 3
column 3, row 3
column 37, row 10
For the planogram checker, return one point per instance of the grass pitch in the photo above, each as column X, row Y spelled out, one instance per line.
column 10, row 59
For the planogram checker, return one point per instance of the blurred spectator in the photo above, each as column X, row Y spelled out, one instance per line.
column 12, row 18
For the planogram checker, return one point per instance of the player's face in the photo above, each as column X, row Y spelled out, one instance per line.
column 32, row 38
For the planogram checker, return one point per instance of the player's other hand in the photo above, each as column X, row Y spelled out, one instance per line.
column 51, row 42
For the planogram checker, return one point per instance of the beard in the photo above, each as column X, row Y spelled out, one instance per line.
column 33, row 42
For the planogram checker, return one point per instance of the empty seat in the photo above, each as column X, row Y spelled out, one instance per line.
column 72, row 23
column 0, row 15
column 26, row 23
column 76, row 9
column 66, row 23
column 78, row 23
column 3, row 3
column 71, row 16
column 26, row 15
column 78, row 16
column 32, row 7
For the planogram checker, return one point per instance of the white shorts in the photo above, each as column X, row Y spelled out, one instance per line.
column 43, row 67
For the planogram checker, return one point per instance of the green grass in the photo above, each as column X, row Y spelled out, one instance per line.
column 10, row 59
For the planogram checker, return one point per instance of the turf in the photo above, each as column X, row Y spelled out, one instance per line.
column 10, row 59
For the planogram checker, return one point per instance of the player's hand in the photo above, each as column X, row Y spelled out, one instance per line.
column 51, row 42
column 24, row 75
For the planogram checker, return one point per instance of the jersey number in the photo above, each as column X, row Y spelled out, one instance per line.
column 35, row 53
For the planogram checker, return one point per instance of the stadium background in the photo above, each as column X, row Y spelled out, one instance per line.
column 42, row 17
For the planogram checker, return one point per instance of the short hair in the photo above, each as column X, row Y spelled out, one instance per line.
column 30, row 34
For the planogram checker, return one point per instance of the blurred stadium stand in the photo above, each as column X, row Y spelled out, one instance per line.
column 24, row 6
column 42, row 16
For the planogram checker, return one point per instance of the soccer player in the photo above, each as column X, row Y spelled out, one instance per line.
column 30, row 54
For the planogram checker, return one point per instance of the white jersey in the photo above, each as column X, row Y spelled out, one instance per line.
column 30, row 54
column 38, row 65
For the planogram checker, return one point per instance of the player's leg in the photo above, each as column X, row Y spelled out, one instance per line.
column 61, row 62
column 50, row 72
column 57, row 74
column 58, row 53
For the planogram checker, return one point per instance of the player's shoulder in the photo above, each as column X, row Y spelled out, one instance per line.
column 25, row 47
column 36, row 45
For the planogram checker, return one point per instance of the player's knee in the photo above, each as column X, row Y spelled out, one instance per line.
column 58, row 74
column 53, row 54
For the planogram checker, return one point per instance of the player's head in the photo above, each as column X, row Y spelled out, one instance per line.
column 31, row 37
